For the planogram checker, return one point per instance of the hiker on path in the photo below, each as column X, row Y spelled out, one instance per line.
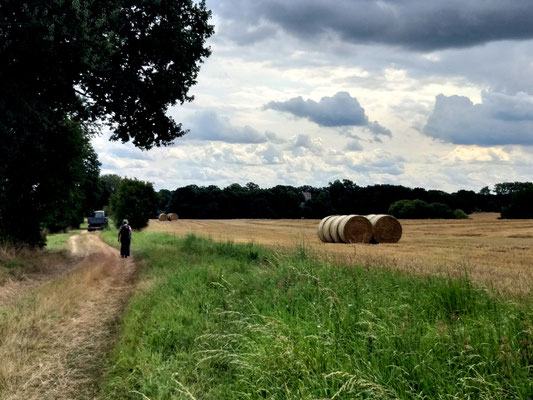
column 124, row 237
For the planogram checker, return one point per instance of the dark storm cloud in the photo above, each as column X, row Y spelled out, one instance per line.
column 341, row 110
column 499, row 120
column 421, row 25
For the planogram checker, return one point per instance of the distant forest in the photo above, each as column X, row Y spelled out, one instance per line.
column 511, row 199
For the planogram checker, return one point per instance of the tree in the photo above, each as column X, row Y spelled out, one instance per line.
column 135, row 201
column 80, row 187
column 108, row 185
column 68, row 66
column 164, row 198
column 520, row 204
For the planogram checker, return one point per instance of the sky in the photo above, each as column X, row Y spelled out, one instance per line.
column 421, row 93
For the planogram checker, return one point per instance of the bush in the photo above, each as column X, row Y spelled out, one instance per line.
column 439, row 210
column 418, row 209
column 135, row 201
column 411, row 209
column 460, row 214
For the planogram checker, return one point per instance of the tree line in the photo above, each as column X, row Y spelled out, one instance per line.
column 511, row 199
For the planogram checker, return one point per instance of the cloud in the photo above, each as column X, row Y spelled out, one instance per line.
column 475, row 154
column 130, row 152
column 272, row 155
column 499, row 120
column 377, row 162
column 208, row 125
column 353, row 145
column 341, row 110
column 425, row 26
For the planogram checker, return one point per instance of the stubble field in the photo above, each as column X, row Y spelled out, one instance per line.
column 493, row 252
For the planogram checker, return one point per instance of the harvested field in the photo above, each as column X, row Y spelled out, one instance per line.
column 496, row 252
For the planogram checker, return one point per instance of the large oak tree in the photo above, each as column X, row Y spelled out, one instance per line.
column 67, row 67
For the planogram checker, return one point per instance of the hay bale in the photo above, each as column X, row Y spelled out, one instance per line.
column 355, row 229
column 326, row 232
column 334, row 228
column 172, row 217
column 385, row 228
column 163, row 217
column 320, row 229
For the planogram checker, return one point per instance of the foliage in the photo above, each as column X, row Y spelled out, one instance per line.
column 410, row 209
column 65, row 67
column 418, row 209
column 222, row 321
column 460, row 214
column 521, row 205
column 339, row 197
column 42, row 185
column 135, row 201
column 164, row 198
column 108, row 186
column 508, row 188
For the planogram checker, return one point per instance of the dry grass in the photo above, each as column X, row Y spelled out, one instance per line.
column 24, row 269
column 495, row 252
column 53, row 339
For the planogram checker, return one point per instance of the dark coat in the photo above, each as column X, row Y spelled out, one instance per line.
column 124, row 236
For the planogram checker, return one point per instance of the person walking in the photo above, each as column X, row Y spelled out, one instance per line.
column 124, row 237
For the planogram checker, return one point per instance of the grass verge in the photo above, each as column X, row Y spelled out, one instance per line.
column 227, row 321
column 16, row 264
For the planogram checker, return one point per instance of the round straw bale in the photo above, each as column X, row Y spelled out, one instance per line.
column 163, row 217
column 385, row 228
column 334, row 228
column 355, row 229
column 172, row 217
column 326, row 229
column 320, row 230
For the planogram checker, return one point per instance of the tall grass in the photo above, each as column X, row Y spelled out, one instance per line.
column 227, row 321
column 16, row 263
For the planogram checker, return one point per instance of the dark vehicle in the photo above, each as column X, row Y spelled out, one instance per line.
column 99, row 221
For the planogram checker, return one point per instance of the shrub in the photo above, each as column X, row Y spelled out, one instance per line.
column 460, row 214
column 418, row 209
column 135, row 201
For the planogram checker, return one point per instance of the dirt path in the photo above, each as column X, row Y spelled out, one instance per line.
column 57, row 349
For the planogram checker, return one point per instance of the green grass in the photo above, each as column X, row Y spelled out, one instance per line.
column 59, row 241
column 227, row 321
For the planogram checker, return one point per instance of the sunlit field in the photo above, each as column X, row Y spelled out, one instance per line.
column 498, row 253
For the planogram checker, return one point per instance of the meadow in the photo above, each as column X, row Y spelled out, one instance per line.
column 222, row 320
